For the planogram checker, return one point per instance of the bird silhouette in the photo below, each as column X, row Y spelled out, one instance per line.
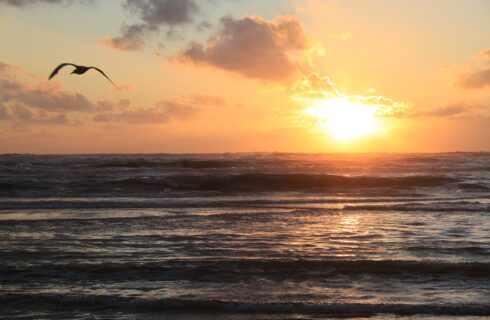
column 78, row 70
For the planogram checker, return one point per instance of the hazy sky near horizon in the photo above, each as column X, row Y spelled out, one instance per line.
column 245, row 75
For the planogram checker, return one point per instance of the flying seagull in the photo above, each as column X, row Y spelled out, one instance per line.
column 78, row 70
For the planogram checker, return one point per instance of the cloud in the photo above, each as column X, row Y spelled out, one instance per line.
column 162, row 113
column 123, row 87
column 476, row 79
column 206, row 100
column 252, row 47
column 452, row 110
column 49, row 97
column 17, row 87
column 132, row 38
column 484, row 54
column 314, row 88
column 316, row 8
column 29, row 99
column 149, row 116
column 4, row 114
column 180, row 109
column 25, row 3
column 52, row 100
column 157, row 13
column 20, row 115
column 106, row 105
column 477, row 74
column 152, row 15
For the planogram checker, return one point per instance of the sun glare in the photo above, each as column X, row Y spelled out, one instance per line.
column 345, row 120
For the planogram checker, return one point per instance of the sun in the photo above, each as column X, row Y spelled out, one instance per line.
column 345, row 120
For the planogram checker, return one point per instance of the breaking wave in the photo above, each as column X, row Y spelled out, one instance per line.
column 248, row 182
column 94, row 302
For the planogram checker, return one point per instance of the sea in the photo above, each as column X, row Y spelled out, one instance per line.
column 245, row 236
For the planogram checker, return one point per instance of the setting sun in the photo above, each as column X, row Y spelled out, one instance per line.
column 345, row 120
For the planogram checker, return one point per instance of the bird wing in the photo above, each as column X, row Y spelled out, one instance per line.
column 55, row 71
column 102, row 72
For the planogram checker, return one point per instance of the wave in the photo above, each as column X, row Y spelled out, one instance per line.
column 418, row 159
column 456, row 206
column 227, row 270
column 193, row 200
column 451, row 250
column 248, row 182
column 472, row 186
column 183, row 163
column 94, row 302
column 276, row 182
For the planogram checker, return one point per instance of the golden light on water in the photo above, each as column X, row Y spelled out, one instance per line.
column 345, row 120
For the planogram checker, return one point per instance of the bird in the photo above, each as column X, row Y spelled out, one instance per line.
column 78, row 70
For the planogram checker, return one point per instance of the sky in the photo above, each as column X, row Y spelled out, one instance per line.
column 206, row 76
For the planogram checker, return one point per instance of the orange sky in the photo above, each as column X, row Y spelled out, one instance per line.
column 245, row 76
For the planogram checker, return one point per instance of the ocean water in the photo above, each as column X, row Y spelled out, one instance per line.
column 245, row 236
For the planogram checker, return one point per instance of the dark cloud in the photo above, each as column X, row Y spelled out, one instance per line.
column 204, row 25
column 477, row 75
column 251, row 46
column 153, row 15
column 157, row 13
column 132, row 38
column 25, row 3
